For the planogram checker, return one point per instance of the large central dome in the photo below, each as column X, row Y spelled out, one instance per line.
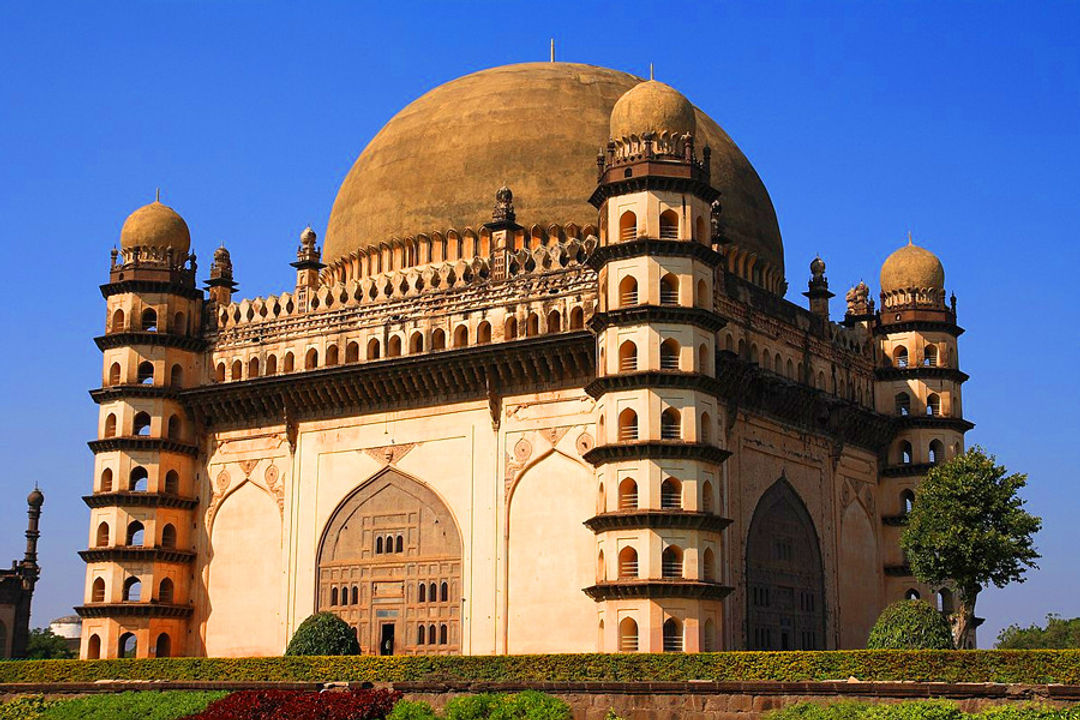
column 535, row 127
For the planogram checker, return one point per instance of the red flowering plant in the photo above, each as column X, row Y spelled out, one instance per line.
column 301, row 705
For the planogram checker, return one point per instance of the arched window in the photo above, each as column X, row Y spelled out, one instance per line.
column 416, row 343
column 93, row 647
column 128, row 646
column 907, row 501
column 172, row 482
column 163, row 646
column 930, row 356
column 431, row 634
column 352, row 352
column 288, row 363
column 483, row 333
column 790, row 370
column 628, row 563
column 433, row 595
column 355, row 595
column 168, row 536
column 705, row 435
column 461, row 336
column 671, row 494
column 937, row 452
column 237, row 370
column 673, row 640
column 900, row 358
column 903, row 403
column 311, row 359
column 332, row 354
column 271, row 365
column 333, row 596
column 669, row 354
column 149, row 320
column 399, row 544
column 670, row 425
column 671, row 561
column 601, row 430
column 389, row 544
column 117, row 324
column 628, row 291
column 421, row 596
column 628, row 356
column 710, row 644
column 110, row 425
column 905, row 453
column 532, row 326
column 253, row 367
column 114, row 374
column 510, row 328
column 911, row 594
column 165, row 591
column 176, row 376
column 179, row 324
column 420, row 634
column 701, row 298
column 444, row 592
column 219, row 373
column 393, row 346
column 146, row 373
column 703, row 359
column 601, row 499
column 554, row 322
column 373, row 349
column 945, row 601
column 669, row 225
column 707, row 503
column 708, row 565
column 135, row 534
column 102, row 539
column 378, row 545
column 628, row 635
column 443, row 635
column 438, row 339
column 138, row 479
column 699, row 231
column 754, row 358
column 628, row 425
column 175, row 430
column 669, row 290
column 106, row 480
column 627, row 226
column 97, row 590
column 628, row 494
column 933, row 404
column 132, row 590
column 577, row 319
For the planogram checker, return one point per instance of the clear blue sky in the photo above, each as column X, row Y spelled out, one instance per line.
column 957, row 121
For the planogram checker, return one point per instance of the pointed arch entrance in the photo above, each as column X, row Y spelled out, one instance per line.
column 785, row 580
column 389, row 564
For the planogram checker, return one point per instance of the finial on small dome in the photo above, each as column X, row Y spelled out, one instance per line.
column 909, row 240
column 157, row 195
column 651, row 72
column 552, row 49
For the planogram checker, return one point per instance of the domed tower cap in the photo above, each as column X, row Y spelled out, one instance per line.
column 36, row 498
column 652, row 106
column 912, row 267
column 155, row 226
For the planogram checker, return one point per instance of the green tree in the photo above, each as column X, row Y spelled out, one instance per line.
column 967, row 529
column 44, row 644
column 323, row 634
column 1059, row 634
column 910, row 625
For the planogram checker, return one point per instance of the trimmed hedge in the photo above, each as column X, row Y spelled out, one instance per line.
column 910, row 625
column 921, row 710
column 1006, row 666
column 143, row 705
column 323, row 634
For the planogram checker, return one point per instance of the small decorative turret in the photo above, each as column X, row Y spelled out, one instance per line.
column 818, row 290
column 221, row 285
column 859, row 304
column 504, row 206
column 308, row 265
column 503, row 225
column 34, row 502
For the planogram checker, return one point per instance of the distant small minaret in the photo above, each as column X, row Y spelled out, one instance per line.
column 221, row 286
column 308, row 265
column 34, row 502
column 818, row 291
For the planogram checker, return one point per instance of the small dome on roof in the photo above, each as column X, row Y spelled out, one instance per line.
column 155, row 226
column 36, row 498
column 652, row 106
column 912, row 267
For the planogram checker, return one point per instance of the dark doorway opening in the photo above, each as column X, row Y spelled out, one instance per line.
column 386, row 642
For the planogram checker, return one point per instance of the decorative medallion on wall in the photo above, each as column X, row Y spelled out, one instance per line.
column 584, row 443
column 273, row 482
column 522, row 451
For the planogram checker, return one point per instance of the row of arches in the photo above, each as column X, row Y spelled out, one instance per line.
column 672, row 635
column 932, row 357
column 935, row 452
column 430, row 592
column 670, row 356
column 135, row 535
column 628, row 295
column 672, row 564
column 127, row 646
column 345, row 595
column 903, row 404
column 131, row 591
column 671, row 495
column 667, row 224
column 144, row 374
column 426, row 636
column 140, row 426
column 147, row 322
column 138, row 481
column 943, row 599
column 670, row 426
column 389, row 544
column 398, row 344
column 856, row 390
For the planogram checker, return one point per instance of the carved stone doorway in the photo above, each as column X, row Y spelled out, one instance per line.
column 785, row 580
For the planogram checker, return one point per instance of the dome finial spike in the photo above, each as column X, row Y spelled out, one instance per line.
column 909, row 240
column 157, row 195
column 552, row 49
column 651, row 72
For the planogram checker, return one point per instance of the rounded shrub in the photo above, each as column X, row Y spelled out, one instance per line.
column 323, row 634
column 910, row 625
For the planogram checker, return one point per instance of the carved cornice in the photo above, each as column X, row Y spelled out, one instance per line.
column 650, row 589
column 951, row 328
column 643, row 246
column 673, row 379
column 657, row 520
column 645, row 314
column 934, row 422
column 139, row 499
column 153, row 339
column 122, row 553
column 151, row 286
column 123, row 392
column 695, row 185
column 138, row 442
column 656, row 450
column 548, row 362
column 921, row 372
column 133, row 609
